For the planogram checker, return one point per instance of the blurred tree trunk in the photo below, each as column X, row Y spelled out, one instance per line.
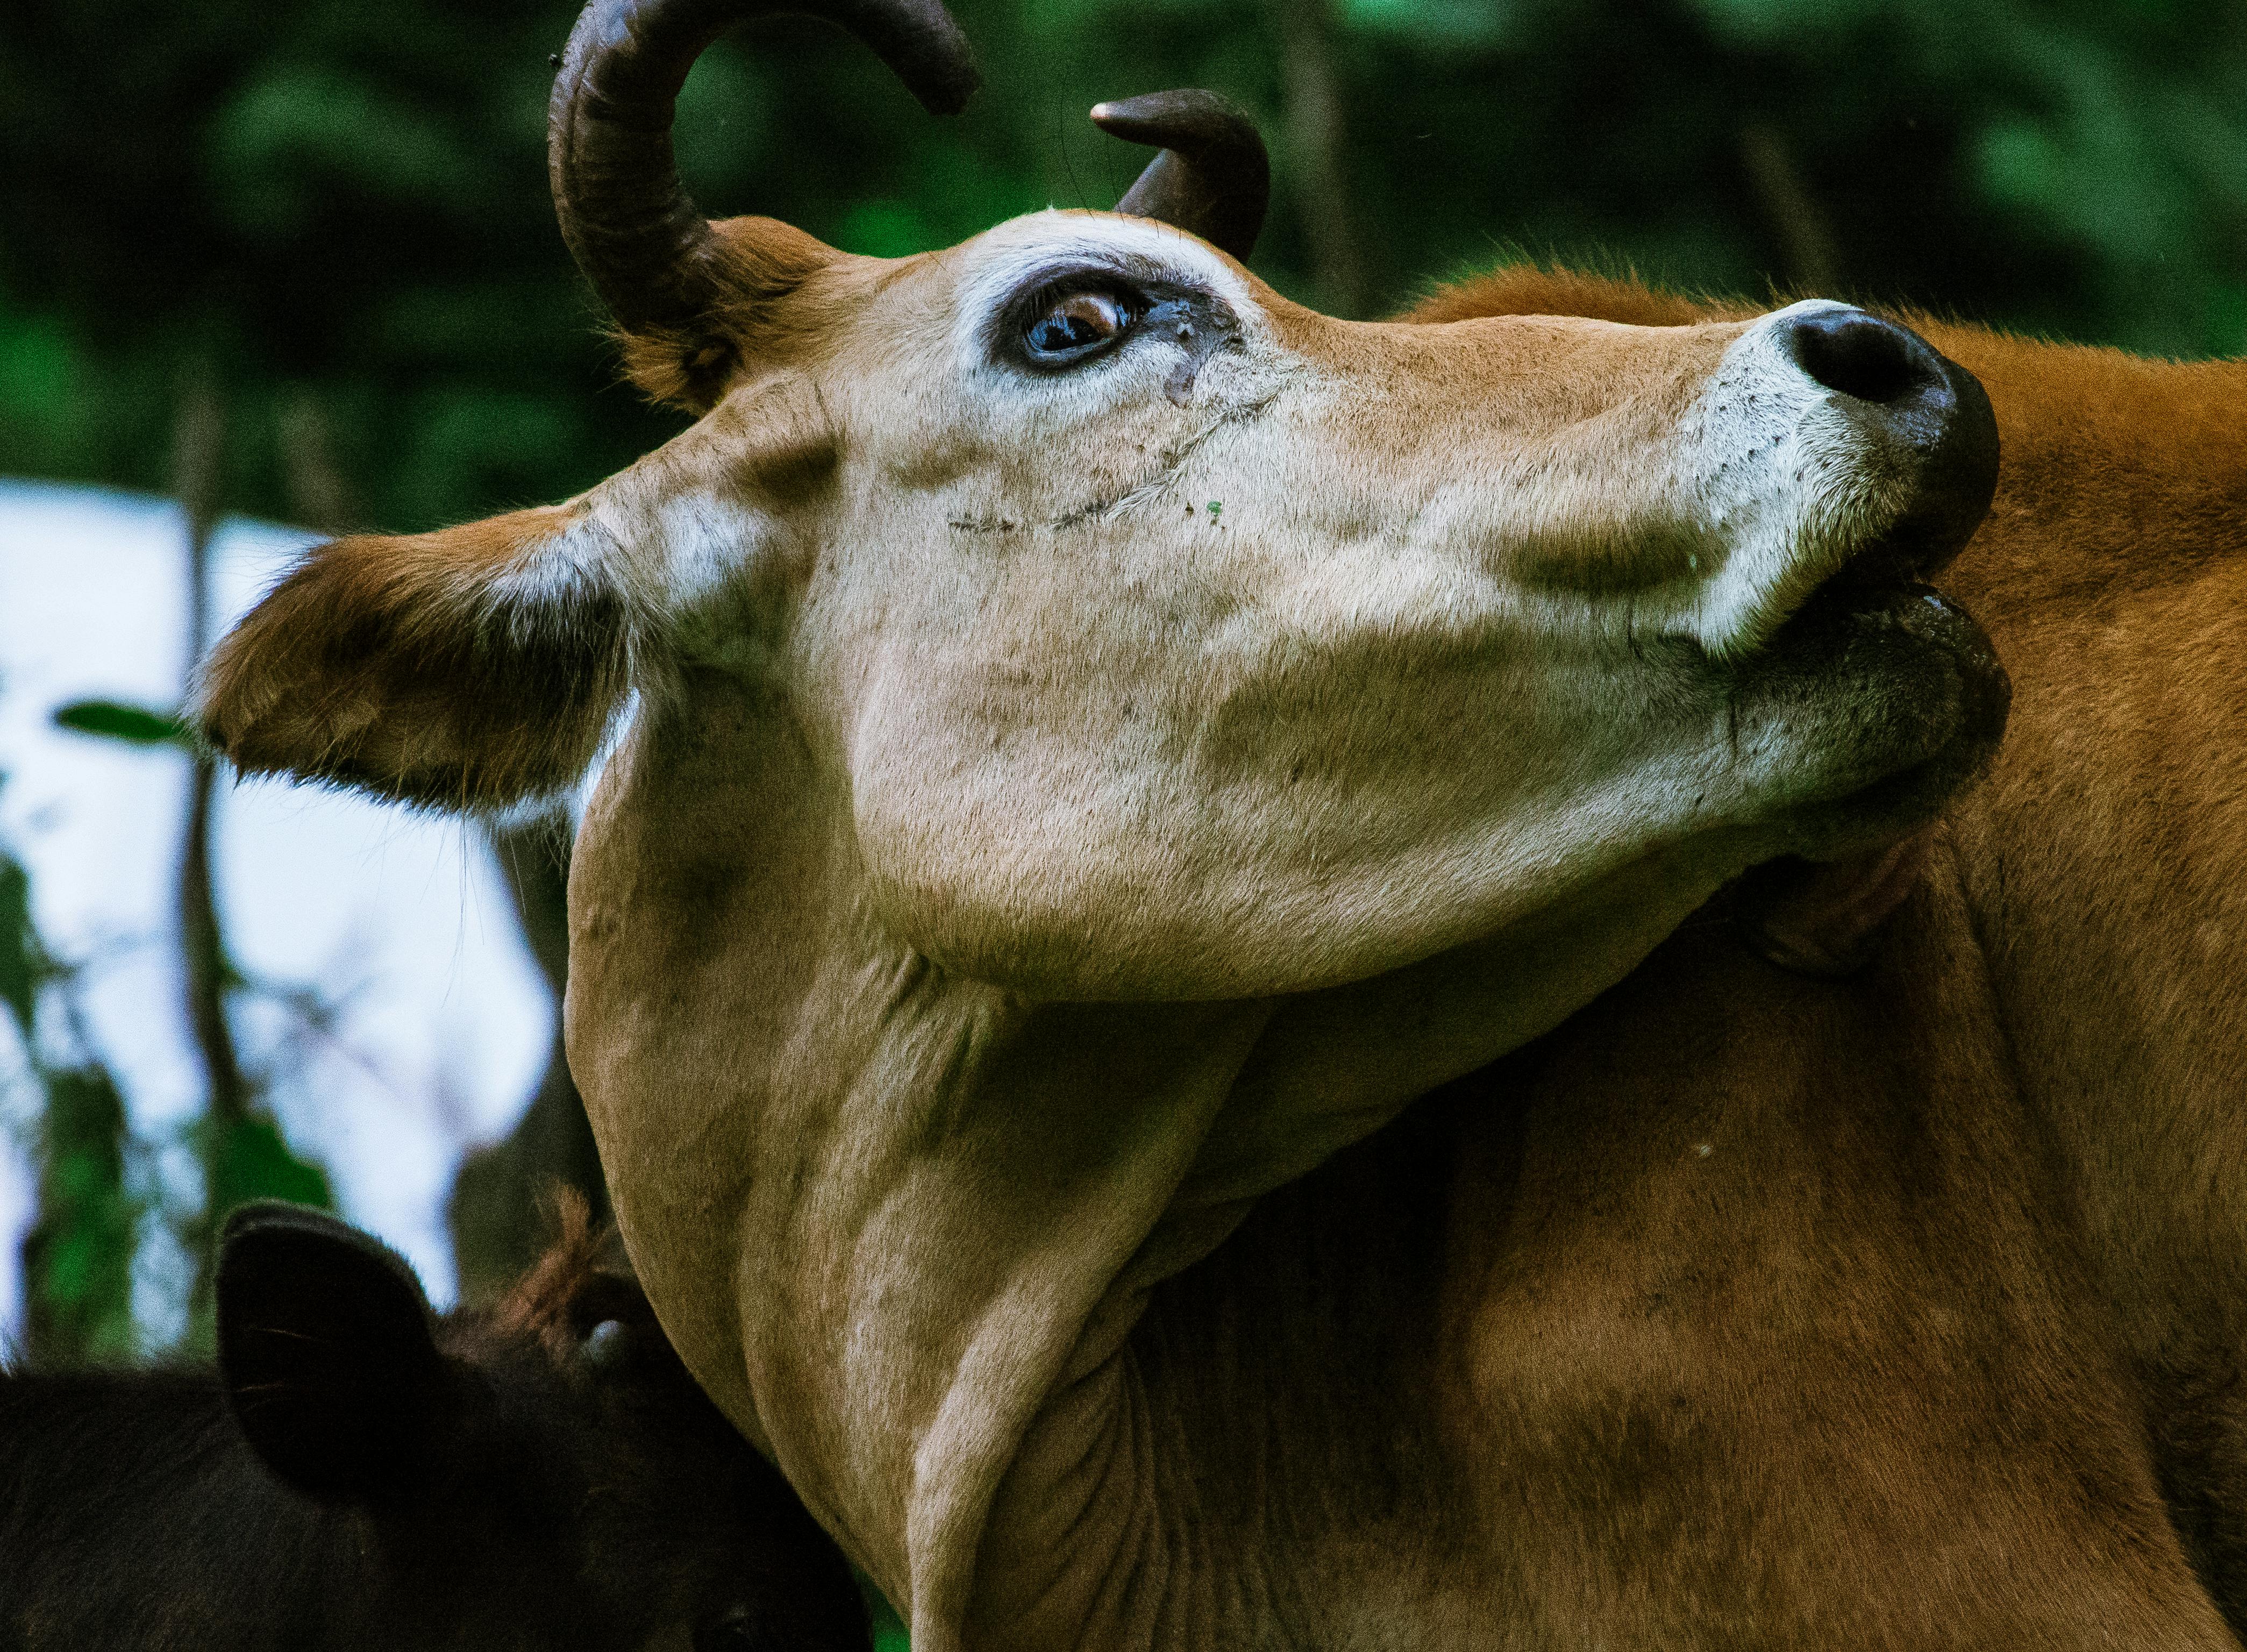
column 1317, row 150
column 320, row 496
column 199, row 457
column 1810, row 264
column 495, row 1214
column 198, row 466
column 242, row 1153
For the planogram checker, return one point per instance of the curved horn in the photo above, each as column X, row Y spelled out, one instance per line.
column 1213, row 178
column 641, row 240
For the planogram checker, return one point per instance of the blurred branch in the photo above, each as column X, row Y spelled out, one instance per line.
column 318, row 492
column 242, row 1152
column 198, row 454
column 1316, row 147
column 1812, row 265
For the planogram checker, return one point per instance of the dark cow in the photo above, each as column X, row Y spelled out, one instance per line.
column 360, row 1473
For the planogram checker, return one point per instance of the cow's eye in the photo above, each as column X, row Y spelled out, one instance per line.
column 1076, row 326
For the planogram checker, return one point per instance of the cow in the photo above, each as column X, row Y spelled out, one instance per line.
column 1747, row 1310
column 1889, row 1298
column 1088, row 738
column 358, row 1473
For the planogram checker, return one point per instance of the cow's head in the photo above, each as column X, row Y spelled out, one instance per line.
column 1170, row 639
column 538, row 1473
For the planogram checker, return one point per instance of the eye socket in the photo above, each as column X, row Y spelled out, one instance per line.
column 1075, row 327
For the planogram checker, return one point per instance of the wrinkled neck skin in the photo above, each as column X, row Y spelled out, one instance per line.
column 929, row 1210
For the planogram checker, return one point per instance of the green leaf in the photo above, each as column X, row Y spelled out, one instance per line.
column 114, row 719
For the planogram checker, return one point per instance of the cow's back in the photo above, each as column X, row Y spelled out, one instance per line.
column 1742, row 1313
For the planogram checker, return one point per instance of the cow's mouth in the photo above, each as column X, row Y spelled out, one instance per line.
column 1925, row 702
column 1916, row 697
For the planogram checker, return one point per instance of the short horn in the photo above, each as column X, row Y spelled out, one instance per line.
column 1213, row 178
column 641, row 240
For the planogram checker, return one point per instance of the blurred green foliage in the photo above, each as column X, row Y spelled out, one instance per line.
column 345, row 206
column 113, row 720
column 78, row 1257
column 97, row 1185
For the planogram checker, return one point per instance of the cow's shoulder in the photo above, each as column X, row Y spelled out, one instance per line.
column 1528, row 290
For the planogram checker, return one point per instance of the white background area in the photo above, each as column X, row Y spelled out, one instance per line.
column 400, row 922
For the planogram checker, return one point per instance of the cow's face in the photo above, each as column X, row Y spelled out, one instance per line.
column 1170, row 640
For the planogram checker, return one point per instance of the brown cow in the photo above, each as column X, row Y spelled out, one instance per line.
column 1748, row 1311
column 1103, row 737
column 1744, row 1311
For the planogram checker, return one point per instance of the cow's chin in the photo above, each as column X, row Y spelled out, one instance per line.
column 1924, row 699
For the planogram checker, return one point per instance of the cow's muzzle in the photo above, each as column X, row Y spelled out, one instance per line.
column 1928, row 416
column 1933, row 690
column 1945, row 709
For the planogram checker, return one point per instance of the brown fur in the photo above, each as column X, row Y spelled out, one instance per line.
column 578, row 1280
column 1745, row 1311
column 377, row 663
column 1763, row 1313
column 763, row 260
column 1527, row 290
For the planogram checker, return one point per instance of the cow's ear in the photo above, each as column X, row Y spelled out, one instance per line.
column 326, row 1353
column 469, row 668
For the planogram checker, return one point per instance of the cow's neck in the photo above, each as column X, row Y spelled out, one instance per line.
column 1734, row 1265
column 899, row 1222
column 910, row 1203
column 2107, row 855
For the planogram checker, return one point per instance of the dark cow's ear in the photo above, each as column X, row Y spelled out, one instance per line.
column 326, row 1350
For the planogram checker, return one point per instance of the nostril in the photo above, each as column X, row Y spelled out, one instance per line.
column 1862, row 356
